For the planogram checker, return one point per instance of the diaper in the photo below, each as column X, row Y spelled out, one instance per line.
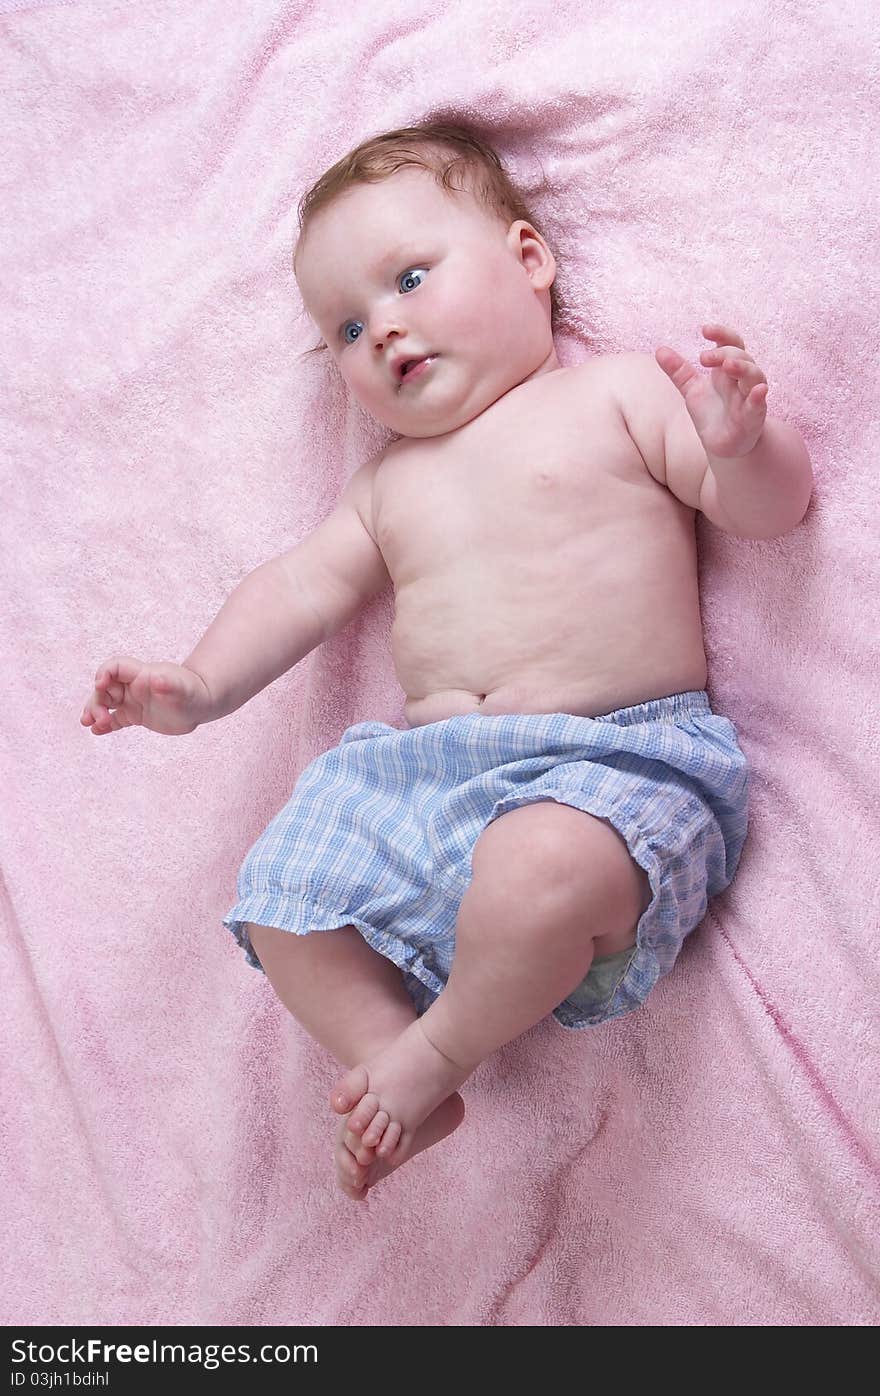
column 379, row 833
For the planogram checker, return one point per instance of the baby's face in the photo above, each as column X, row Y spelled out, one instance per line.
column 400, row 270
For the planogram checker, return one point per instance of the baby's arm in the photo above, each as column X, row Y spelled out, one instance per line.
column 281, row 611
column 268, row 624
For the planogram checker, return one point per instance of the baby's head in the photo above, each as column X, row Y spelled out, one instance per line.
column 417, row 243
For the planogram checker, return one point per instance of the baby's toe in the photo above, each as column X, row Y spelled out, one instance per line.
column 390, row 1140
column 349, row 1090
column 355, row 1145
column 351, row 1175
column 376, row 1128
column 363, row 1113
column 357, row 1191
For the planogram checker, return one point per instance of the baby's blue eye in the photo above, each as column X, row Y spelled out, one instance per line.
column 408, row 274
column 404, row 276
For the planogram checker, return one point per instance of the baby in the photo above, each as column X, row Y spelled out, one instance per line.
column 546, row 830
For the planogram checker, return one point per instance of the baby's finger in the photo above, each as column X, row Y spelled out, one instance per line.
column 102, row 699
column 721, row 332
column 120, row 670
column 99, row 699
column 739, row 367
column 105, row 722
column 725, row 355
column 100, row 729
column 89, row 718
column 747, row 375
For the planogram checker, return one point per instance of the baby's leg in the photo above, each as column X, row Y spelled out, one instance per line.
column 337, row 986
column 352, row 1001
column 548, row 880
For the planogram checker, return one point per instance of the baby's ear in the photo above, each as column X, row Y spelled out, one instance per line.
column 534, row 254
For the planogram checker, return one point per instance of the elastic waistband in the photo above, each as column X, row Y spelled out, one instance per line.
column 694, row 703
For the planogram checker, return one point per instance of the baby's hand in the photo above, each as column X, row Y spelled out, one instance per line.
column 166, row 698
column 729, row 407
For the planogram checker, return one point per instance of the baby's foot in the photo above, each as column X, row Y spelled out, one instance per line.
column 358, row 1169
column 393, row 1094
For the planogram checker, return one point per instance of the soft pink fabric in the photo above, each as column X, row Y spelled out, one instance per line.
column 710, row 1160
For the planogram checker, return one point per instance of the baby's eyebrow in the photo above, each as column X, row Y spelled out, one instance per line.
column 405, row 249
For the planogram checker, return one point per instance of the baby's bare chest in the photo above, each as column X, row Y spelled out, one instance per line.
column 537, row 564
column 537, row 567
column 529, row 491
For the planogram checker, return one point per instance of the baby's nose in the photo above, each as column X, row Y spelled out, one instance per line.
column 385, row 331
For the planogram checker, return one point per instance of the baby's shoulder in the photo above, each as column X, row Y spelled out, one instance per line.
column 614, row 371
column 604, row 381
column 632, row 380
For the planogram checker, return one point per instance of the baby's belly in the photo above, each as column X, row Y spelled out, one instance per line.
column 584, row 641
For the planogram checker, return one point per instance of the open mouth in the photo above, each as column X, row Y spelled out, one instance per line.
column 414, row 368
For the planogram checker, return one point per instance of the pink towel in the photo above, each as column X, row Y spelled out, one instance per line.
column 166, row 1147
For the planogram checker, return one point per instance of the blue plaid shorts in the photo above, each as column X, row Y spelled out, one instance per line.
column 379, row 832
